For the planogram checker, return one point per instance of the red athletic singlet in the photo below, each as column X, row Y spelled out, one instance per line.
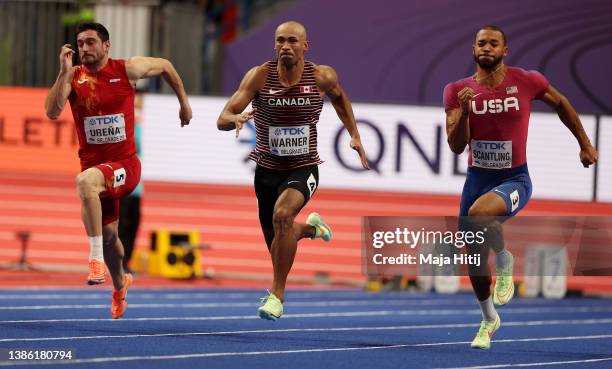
column 102, row 105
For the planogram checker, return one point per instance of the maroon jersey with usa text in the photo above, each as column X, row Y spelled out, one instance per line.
column 102, row 106
column 499, row 117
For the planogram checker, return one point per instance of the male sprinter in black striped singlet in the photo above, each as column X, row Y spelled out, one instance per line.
column 287, row 96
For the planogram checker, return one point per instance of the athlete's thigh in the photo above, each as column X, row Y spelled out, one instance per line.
column 290, row 200
column 515, row 193
column 488, row 204
column 305, row 181
column 94, row 178
column 120, row 177
column 267, row 183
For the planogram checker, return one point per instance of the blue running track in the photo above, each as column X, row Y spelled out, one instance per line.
column 328, row 329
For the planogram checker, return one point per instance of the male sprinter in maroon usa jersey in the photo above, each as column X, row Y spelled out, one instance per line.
column 101, row 93
column 489, row 112
column 287, row 96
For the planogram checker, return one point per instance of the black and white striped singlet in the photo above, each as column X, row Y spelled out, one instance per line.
column 286, row 121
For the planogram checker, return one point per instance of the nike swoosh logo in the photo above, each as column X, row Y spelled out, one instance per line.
column 293, row 182
column 495, row 327
column 115, row 80
column 81, row 81
column 503, row 295
column 273, row 92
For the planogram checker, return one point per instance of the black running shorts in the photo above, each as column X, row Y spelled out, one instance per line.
column 269, row 184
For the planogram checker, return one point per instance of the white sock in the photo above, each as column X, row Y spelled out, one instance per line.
column 95, row 248
column 488, row 310
column 502, row 258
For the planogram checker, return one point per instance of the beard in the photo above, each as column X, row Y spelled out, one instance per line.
column 288, row 61
column 90, row 60
column 488, row 64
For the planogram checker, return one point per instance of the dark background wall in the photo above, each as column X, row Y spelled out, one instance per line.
column 406, row 51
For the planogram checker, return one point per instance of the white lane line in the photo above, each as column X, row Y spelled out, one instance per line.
column 216, row 305
column 524, row 365
column 247, row 317
column 254, row 353
column 293, row 330
column 412, row 299
column 299, row 316
column 244, row 317
column 527, row 310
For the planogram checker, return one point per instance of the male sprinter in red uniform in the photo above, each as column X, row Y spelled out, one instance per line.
column 287, row 96
column 101, row 93
column 489, row 112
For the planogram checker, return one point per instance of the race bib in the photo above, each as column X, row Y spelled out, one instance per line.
column 104, row 129
column 289, row 141
column 120, row 177
column 492, row 154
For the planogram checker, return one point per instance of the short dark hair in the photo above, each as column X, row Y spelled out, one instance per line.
column 491, row 27
column 100, row 29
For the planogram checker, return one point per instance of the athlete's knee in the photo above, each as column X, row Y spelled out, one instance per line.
column 282, row 219
column 110, row 235
column 112, row 247
column 479, row 269
column 481, row 280
column 109, row 240
column 268, row 236
column 86, row 184
column 481, row 286
column 478, row 210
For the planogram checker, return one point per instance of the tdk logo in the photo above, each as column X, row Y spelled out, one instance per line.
column 491, row 145
column 104, row 120
column 289, row 131
column 495, row 106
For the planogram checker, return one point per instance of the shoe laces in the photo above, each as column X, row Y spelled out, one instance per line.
column 264, row 299
column 117, row 296
column 503, row 281
column 485, row 328
column 482, row 330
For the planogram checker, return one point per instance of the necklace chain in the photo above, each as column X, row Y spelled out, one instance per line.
column 488, row 75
